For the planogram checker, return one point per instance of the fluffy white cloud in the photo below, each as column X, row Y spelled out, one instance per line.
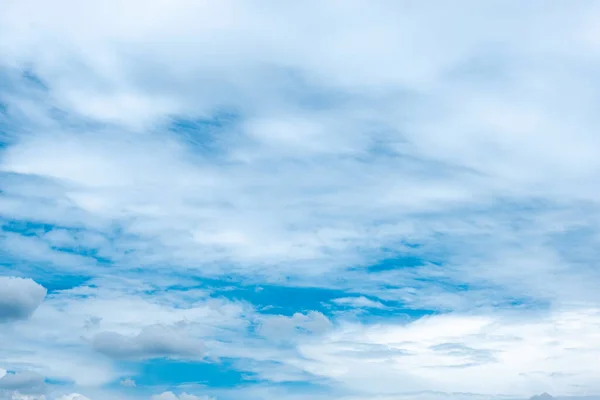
column 19, row 298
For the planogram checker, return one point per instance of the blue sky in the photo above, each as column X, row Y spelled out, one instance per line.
column 258, row 200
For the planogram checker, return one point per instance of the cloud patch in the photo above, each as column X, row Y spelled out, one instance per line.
column 24, row 382
column 155, row 341
column 182, row 396
column 161, row 148
column 358, row 302
column 283, row 328
column 19, row 298
column 73, row 396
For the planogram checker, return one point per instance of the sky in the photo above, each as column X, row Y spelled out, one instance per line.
column 294, row 200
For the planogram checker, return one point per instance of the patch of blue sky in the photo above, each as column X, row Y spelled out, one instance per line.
column 29, row 228
column 268, row 299
column 289, row 300
column 391, row 311
column 401, row 262
column 205, row 136
column 43, row 274
column 220, row 119
column 57, row 382
column 527, row 303
column 308, row 387
column 73, row 122
column 226, row 373
column 401, row 256
column 41, row 270
column 55, row 283
column 283, row 300
column 26, row 227
column 173, row 373
column 31, row 78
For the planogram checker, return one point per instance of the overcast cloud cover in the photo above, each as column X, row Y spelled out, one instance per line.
column 343, row 199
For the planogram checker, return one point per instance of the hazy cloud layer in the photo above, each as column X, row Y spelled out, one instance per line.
column 345, row 200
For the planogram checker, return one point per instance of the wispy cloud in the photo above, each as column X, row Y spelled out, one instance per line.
column 329, row 199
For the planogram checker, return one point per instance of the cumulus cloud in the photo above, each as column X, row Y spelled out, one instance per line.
column 19, row 298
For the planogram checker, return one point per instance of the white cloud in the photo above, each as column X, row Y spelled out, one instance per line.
column 127, row 324
column 19, row 298
column 358, row 302
column 20, row 396
column 150, row 164
column 463, row 353
column 464, row 132
column 152, row 342
column 182, row 396
column 73, row 396
column 282, row 328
